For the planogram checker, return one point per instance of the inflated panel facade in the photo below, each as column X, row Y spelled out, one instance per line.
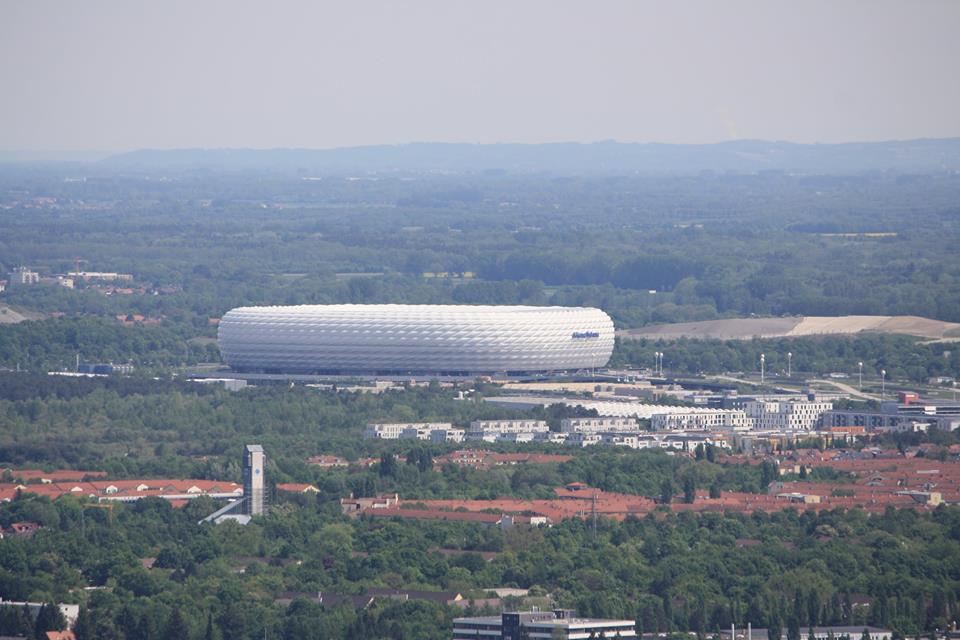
column 391, row 338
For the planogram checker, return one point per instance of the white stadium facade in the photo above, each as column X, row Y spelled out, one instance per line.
column 397, row 339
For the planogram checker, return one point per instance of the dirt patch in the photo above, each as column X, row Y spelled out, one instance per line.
column 747, row 328
column 9, row 315
column 731, row 329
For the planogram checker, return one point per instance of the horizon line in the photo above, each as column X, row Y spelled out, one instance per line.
column 92, row 151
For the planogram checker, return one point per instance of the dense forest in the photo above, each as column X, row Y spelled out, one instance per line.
column 709, row 246
column 899, row 570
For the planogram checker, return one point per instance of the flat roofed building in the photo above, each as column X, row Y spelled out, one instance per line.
column 101, row 275
column 891, row 420
column 395, row 430
column 700, row 420
column 598, row 425
column 509, row 426
column 23, row 275
column 446, row 435
column 786, row 415
column 535, row 624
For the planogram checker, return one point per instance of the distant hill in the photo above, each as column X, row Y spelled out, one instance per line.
column 744, row 156
column 747, row 328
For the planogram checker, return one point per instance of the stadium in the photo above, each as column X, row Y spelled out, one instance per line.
column 414, row 339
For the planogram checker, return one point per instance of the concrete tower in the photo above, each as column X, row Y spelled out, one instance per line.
column 253, row 461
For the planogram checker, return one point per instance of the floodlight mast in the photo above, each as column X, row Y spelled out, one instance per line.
column 763, row 362
column 860, row 376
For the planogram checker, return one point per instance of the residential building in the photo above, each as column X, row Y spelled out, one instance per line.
column 583, row 439
column 328, row 461
column 629, row 440
column 23, row 276
column 396, row 430
column 562, row 623
column 355, row 506
column 446, row 435
column 700, row 420
column 690, row 441
column 786, row 415
column 504, row 430
column 598, row 425
column 100, row 275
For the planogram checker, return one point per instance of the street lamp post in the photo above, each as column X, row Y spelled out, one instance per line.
column 661, row 363
column 860, row 376
column 763, row 361
column 789, row 364
column 883, row 383
column 656, row 363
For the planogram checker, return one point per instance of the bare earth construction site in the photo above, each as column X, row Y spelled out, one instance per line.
column 747, row 328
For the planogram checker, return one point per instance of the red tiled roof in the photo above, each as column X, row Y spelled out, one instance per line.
column 295, row 487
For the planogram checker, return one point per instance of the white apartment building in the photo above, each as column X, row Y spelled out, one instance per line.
column 513, row 436
column 629, row 440
column 395, row 430
column 691, row 440
column 598, row 425
column 504, row 430
column 701, row 420
column 23, row 275
column 786, row 415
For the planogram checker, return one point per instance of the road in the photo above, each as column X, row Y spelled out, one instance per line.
column 839, row 385
column 851, row 390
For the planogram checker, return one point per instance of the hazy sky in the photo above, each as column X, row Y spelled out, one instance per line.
column 197, row 73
